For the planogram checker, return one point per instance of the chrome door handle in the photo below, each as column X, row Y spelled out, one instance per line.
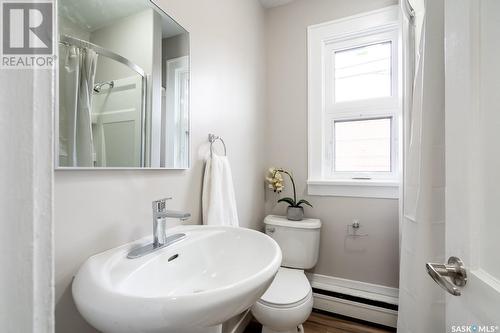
column 454, row 270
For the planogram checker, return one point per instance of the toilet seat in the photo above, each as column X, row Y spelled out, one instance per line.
column 289, row 289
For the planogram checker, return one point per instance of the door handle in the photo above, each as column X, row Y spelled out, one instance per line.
column 454, row 270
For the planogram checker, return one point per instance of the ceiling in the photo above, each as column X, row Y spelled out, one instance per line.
column 91, row 15
column 274, row 3
column 95, row 14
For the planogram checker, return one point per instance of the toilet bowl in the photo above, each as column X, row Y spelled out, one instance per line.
column 286, row 304
column 288, row 301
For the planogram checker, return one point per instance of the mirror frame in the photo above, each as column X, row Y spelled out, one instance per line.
column 56, row 113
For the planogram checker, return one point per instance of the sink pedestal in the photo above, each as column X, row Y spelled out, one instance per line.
column 214, row 329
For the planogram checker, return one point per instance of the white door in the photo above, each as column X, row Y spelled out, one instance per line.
column 177, row 112
column 117, row 124
column 473, row 161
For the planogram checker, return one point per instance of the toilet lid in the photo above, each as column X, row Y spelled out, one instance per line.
column 290, row 286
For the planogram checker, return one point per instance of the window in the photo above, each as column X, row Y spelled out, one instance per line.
column 363, row 72
column 354, row 106
column 363, row 145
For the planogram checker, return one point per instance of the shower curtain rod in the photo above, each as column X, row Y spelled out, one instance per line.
column 68, row 40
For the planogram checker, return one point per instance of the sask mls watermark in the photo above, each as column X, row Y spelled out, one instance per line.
column 474, row 328
column 27, row 29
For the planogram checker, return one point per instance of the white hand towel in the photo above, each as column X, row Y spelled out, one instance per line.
column 218, row 199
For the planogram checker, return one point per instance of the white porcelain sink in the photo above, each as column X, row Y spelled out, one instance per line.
column 210, row 276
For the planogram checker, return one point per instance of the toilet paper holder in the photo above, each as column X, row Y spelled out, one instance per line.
column 355, row 229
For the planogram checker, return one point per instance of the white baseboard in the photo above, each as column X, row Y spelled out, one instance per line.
column 353, row 309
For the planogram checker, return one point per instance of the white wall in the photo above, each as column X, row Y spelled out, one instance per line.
column 131, row 37
column 372, row 259
column 97, row 210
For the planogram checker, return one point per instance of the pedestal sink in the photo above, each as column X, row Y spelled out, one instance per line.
column 191, row 286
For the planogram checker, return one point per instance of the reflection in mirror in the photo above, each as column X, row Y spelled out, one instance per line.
column 123, row 86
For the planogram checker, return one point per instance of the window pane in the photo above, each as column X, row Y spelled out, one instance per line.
column 363, row 72
column 363, row 145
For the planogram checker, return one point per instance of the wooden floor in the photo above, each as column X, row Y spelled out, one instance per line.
column 319, row 323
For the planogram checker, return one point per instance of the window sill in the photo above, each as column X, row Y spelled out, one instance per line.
column 354, row 188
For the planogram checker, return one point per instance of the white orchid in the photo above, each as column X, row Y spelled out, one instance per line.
column 276, row 183
column 275, row 180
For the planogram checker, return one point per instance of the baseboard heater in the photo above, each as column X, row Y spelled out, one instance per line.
column 365, row 310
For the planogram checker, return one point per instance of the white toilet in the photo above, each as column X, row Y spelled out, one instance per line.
column 288, row 302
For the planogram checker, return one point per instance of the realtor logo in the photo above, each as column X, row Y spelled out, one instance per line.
column 27, row 29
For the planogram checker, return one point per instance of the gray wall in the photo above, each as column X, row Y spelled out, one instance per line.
column 373, row 259
column 175, row 47
column 98, row 210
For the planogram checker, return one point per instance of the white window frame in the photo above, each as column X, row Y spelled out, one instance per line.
column 323, row 41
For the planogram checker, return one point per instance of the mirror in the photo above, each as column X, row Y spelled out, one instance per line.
column 123, row 86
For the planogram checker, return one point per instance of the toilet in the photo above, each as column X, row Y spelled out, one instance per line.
column 288, row 301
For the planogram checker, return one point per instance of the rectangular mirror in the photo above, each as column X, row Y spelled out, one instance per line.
column 123, row 86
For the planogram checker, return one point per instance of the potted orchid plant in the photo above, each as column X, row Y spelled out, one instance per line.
column 295, row 211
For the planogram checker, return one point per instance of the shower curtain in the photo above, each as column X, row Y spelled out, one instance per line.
column 77, row 73
column 421, row 301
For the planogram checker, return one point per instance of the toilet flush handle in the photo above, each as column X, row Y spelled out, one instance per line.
column 270, row 230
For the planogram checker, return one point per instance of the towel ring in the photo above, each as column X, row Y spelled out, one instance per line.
column 212, row 138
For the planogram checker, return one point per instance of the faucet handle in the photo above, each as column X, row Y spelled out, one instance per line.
column 160, row 206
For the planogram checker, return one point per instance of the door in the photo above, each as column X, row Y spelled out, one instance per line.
column 473, row 161
column 117, row 123
column 176, row 113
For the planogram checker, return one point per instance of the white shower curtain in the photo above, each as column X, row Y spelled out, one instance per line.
column 421, row 301
column 78, row 67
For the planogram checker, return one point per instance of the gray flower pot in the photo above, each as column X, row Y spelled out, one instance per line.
column 295, row 213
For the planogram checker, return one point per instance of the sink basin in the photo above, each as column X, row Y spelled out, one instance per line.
column 211, row 275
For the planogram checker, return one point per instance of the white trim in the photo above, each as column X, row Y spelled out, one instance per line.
column 384, row 12
column 354, row 188
column 353, row 309
column 366, row 28
column 374, row 292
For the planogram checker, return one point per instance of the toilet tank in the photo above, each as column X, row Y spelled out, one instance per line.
column 298, row 240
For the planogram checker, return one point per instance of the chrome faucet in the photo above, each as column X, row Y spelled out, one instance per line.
column 160, row 212
column 160, row 238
